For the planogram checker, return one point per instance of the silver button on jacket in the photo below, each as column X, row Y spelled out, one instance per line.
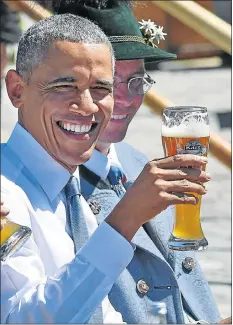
column 188, row 263
column 142, row 287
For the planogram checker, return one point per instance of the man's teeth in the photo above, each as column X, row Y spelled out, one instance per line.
column 75, row 127
column 118, row 117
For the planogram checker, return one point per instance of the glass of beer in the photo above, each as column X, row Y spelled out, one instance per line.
column 185, row 130
column 13, row 236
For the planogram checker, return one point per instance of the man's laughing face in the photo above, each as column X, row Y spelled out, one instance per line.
column 126, row 104
column 67, row 101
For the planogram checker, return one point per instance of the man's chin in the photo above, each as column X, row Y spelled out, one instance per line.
column 86, row 156
column 71, row 162
column 113, row 138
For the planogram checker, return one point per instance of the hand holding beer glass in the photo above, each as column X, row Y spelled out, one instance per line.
column 13, row 236
column 185, row 130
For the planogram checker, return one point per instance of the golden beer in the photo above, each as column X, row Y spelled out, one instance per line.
column 187, row 223
column 192, row 137
column 13, row 236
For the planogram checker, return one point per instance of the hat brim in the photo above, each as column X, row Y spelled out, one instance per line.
column 136, row 51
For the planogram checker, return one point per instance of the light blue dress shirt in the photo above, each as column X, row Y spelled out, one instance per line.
column 100, row 164
column 45, row 282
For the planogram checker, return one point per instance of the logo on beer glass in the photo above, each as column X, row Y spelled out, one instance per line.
column 193, row 147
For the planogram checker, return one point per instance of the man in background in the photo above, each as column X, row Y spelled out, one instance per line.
column 114, row 165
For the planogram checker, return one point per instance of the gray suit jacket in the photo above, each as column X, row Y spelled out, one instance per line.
column 155, row 273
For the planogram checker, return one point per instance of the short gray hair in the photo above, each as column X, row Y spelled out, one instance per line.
column 35, row 42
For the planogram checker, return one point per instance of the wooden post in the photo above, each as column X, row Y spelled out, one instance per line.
column 31, row 8
column 213, row 28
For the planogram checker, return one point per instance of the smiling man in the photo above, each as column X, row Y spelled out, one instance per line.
column 50, row 98
column 62, row 88
column 64, row 273
column 129, row 78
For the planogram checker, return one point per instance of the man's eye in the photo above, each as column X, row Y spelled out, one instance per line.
column 99, row 88
column 64, row 87
column 99, row 93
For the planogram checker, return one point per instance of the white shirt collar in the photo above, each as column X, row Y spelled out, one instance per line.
column 100, row 164
column 51, row 176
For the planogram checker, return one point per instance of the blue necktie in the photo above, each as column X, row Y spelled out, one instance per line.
column 116, row 178
column 76, row 218
column 76, row 215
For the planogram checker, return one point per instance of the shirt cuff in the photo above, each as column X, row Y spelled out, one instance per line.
column 108, row 251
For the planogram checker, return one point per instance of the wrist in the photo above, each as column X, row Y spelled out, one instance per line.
column 123, row 221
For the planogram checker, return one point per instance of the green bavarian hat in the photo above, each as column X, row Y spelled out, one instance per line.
column 119, row 24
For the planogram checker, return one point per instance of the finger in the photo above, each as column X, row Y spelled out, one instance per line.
column 181, row 161
column 226, row 321
column 191, row 174
column 4, row 211
column 184, row 186
column 181, row 198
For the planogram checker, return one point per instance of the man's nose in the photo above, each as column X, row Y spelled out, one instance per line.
column 122, row 95
column 84, row 105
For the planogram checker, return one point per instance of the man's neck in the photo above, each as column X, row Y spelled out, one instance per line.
column 103, row 147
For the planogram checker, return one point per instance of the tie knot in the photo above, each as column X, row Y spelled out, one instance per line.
column 115, row 175
column 72, row 187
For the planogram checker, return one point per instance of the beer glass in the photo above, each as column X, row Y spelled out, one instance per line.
column 185, row 130
column 13, row 236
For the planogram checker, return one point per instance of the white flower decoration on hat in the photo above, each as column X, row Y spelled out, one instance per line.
column 158, row 34
column 148, row 26
column 150, row 32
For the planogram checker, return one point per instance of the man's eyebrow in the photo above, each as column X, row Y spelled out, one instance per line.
column 62, row 79
column 142, row 70
column 139, row 71
column 104, row 82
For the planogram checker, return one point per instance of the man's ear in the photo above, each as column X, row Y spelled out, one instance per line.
column 15, row 88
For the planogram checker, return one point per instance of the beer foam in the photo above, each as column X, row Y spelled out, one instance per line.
column 196, row 130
